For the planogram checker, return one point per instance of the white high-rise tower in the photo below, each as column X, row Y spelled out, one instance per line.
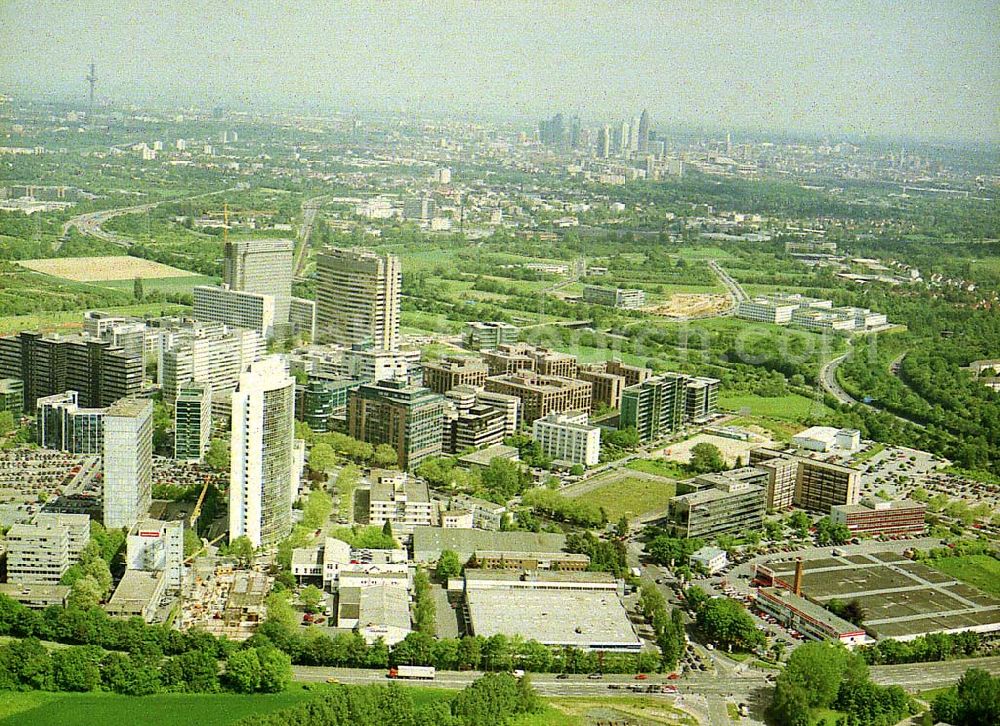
column 128, row 461
column 263, row 473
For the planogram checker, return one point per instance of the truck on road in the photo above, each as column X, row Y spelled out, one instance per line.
column 424, row 673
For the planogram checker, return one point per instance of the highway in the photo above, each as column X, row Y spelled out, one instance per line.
column 736, row 293
column 90, row 223
column 828, row 379
column 739, row 684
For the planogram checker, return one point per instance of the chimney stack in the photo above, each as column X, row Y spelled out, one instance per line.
column 797, row 589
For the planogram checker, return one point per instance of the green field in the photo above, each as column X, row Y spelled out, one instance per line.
column 790, row 407
column 630, row 496
column 70, row 319
column 669, row 469
column 163, row 284
column 980, row 571
column 95, row 709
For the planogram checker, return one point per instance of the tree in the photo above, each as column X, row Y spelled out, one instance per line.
column 76, row 669
column 504, row 479
column 727, row 623
column 7, row 422
column 706, row 458
column 85, row 593
column 448, row 566
column 829, row 532
column 280, row 610
column 98, row 570
column 322, row 458
column 137, row 291
column 800, row 522
column 217, row 456
column 385, row 456
column 387, row 529
column 621, row 529
column 790, row 706
column 243, row 671
column 975, row 701
column 311, row 598
column 275, row 669
column 242, row 550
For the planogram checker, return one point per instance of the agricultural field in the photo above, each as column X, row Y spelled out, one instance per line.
column 103, row 269
column 100, row 709
column 980, row 571
column 632, row 496
column 166, row 285
column 25, row 292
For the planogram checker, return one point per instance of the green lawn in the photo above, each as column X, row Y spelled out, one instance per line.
column 164, row 284
column 669, row 469
column 631, row 496
column 980, row 571
column 96, row 709
column 790, row 407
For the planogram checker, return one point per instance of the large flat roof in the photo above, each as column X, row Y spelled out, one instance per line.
column 589, row 619
column 431, row 540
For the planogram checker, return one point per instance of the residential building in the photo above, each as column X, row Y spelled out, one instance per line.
column 421, row 208
column 489, row 335
column 192, row 421
column 400, row 499
column 566, row 437
column 40, row 552
column 408, row 418
column 357, row 298
column 61, row 424
column 235, row 308
column 443, row 375
column 715, row 504
column 656, row 407
column 51, row 363
column 155, row 545
column 614, row 297
column 541, row 395
column 872, row 516
column 128, row 462
column 263, row 473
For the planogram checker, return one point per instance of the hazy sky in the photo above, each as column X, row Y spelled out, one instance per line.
column 927, row 68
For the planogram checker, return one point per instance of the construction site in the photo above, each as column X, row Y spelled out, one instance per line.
column 224, row 601
column 901, row 599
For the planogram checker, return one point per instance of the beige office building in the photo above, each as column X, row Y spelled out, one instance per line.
column 357, row 298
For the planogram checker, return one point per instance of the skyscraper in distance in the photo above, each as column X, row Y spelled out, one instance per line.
column 263, row 473
column 644, row 132
column 357, row 298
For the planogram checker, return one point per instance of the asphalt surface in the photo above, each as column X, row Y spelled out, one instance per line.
column 735, row 291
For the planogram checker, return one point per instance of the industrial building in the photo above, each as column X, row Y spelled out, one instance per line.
column 828, row 438
column 429, row 542
column 559, row 609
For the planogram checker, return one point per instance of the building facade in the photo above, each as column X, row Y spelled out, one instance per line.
column 871, row 516
column 61, row 424
column 192, row 422
column 724, row 503
column 357, row 298
column 489, row 335
column 655, row 407
column 541, row 395
column 263, row 473
column 236, row 308
column 40, row 552
column 568, row 438
column 128, row 462
column 443, row 375
column 408, row 418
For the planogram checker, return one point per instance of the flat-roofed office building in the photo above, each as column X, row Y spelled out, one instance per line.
column 128, row 461
column 358, row 298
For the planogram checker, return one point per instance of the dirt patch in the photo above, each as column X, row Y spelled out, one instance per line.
column 731, row 448
column 103, row 269
column 690, row 304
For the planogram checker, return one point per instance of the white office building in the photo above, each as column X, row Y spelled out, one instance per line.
column 262, row 266
column 128, row 461
column 401, row 499
column 157, row 546
column 40, row 552
column 263, row 471
column 250, row 310
column 567, row 437
column 209, row 353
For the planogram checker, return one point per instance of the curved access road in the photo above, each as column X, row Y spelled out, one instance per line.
column 736, row 291
column 90, row 223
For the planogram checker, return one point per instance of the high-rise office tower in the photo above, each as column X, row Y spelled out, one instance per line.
column 623, row 137
column 192, row 421
column 128, row 461
column 263, row 473
column 644, row 132
column 408, row 418
column 263, row 266
column 633, row 135
column 357, row 298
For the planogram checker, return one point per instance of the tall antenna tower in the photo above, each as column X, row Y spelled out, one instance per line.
column 92, row 80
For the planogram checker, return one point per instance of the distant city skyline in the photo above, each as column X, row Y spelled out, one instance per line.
column 870, row 69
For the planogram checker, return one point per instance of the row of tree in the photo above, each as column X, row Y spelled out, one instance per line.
column 494, row 698
column 974, row 701
column 923, row 649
